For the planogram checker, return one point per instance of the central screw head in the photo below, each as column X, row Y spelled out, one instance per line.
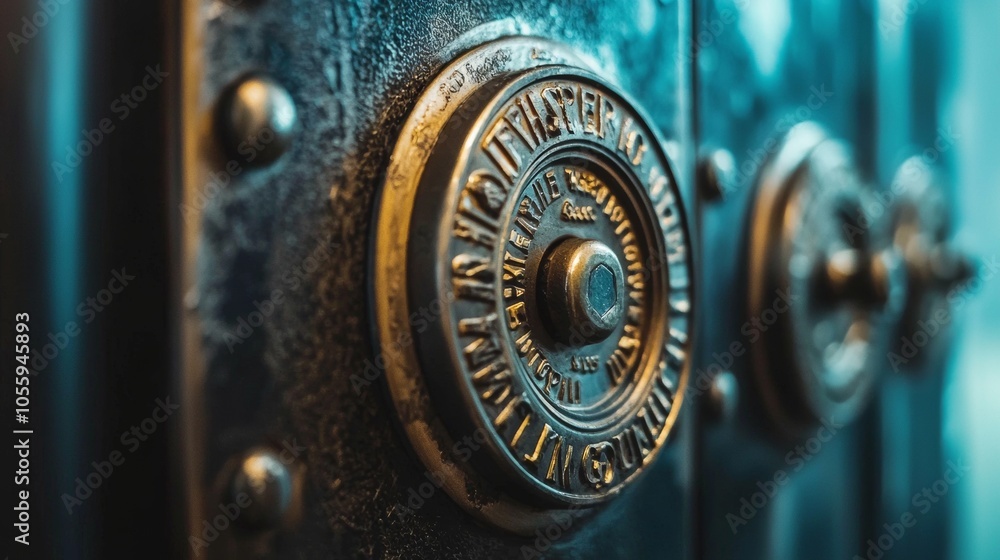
column 582, row 291
column 852, row 275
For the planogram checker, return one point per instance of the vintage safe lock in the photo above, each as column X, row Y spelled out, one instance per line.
column 448, row 279
column 531, row 205
column 495, row 348
column 837, row 281
column 840, row 275
column 495, row 234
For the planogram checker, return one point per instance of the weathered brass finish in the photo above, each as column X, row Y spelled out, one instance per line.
column 532, row 284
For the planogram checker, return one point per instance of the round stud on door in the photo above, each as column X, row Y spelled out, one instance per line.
column 256, row 120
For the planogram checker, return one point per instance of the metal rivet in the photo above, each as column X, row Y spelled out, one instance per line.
column 716, row 174
column 723, row 397
column 257, row 120
column 267, row 482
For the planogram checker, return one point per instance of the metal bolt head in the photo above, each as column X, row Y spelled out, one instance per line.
column 257, row 120
column 716, row 174
column 265, row 479
column 583, row 289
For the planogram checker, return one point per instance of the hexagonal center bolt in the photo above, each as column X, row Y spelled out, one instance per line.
column 855, row 276
column 581, row 291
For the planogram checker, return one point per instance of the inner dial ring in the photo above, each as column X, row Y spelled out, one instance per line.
column 573, row 200
column 555, row 434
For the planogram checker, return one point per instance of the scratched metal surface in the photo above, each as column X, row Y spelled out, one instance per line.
column 303, row 227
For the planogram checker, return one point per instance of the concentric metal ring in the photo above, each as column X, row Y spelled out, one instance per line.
column 512, row 154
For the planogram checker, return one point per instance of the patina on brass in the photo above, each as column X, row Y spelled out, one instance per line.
column 532, row 284
column 824, row 284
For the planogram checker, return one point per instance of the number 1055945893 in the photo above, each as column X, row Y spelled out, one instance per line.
column 22, row 380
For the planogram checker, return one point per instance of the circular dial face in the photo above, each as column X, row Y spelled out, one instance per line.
column 547, row 229
column 575, row 290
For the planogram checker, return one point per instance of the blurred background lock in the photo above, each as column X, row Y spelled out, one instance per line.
column 806, row 185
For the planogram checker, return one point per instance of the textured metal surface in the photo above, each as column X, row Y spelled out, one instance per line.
column 303, row 227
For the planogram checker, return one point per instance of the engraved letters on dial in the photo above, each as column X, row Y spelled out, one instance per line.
column 554, row 162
